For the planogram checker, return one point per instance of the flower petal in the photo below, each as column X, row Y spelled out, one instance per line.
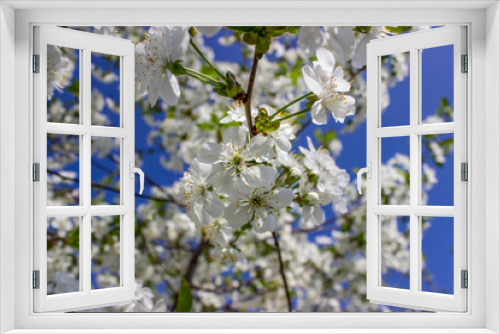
column 280, row 198
column 169, row 89
column 259, row 176
column 261, row 148
column 213, row 204
column 237, row 216
column 311, row 80
column 318, row 113
column 326, row 60
column 209, row 153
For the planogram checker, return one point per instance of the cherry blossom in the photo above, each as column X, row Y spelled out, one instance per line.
column 327, row 82
column 164, row 46
column 59, row 71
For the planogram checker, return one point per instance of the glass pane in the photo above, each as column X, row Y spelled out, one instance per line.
column 105, row 85
column 395, row 251
column 105, row 252
column 437, row 170
column 395, row 89
column 437, row 254
column 437, row 84
column 105, row 172
column 63, row 85
column 63, row 245
column 394, row 171
column 63, row 170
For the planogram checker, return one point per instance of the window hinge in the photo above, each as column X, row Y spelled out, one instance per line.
column 36, row 63
column 465, row 279
column 36, row 172
column 465, row 64
column 464, row 171
column 36, row 279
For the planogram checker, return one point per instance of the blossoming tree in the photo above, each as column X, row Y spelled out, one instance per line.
column 262, row 217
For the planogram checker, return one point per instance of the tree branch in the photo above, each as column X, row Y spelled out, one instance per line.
column 248, row 97
column 100, row 186
column 282, row 271
column 192, row 267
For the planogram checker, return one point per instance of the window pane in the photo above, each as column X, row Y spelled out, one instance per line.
column 437, row 84
column 105, row 85
column 437, row 170
column 63, row 84
column 105, row 170
column 437, row 254
column 394, row 171
column 395, row 89
column 395, row 251
column 63, row 170
column 63, row 245
column 105, row 252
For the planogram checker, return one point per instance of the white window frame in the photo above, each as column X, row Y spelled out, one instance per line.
column 85, row 43
column 414, row 43
column 17, row 19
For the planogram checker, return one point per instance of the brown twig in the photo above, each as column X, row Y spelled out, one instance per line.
column 248, row 97
column 282, row 271
column 100, row 186
column 191, row 268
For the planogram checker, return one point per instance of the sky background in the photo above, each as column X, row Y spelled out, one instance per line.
column 437, row 82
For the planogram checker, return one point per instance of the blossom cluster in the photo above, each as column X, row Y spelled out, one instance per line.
column 239, row 187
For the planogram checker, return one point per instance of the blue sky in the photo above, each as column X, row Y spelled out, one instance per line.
column 437, row 83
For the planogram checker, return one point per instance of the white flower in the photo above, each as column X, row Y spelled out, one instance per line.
column 208, row 31
column 310, row 39
column 143, row 301
column 164, row 46
column 216, row 232
column 331, row 180
column 240, row 159
column 285, row 133
column 311, row 210
column 437, row 152
column 201, row 203
column 359, row 59
column 59, row 71
column 260, row 206
column 329, row 85
column 229, row 255
column 341, row 41
column 236, row 113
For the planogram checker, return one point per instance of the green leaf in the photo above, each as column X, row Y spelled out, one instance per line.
column 205, row 126
column 242, row 29
column 398, row 29
column 250, row 38
column 185, row 297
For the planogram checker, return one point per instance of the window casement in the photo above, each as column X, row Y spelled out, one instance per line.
column 416, row 44
column 81, row 131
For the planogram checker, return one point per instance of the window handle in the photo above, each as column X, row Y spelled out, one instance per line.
column 368, row 171
column 137, row 170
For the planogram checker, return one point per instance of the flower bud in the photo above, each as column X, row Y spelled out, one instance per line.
column 313, row 177
column 293, row 176
column 177, row 68
column 312, row 198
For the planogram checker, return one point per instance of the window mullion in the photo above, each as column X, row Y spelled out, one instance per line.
column 85, row 246
column 414, row 170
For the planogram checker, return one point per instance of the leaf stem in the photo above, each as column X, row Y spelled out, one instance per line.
column 303, row 111
column 206, row 60
column 202, row 77
column 300, row 98
column 248, row 97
